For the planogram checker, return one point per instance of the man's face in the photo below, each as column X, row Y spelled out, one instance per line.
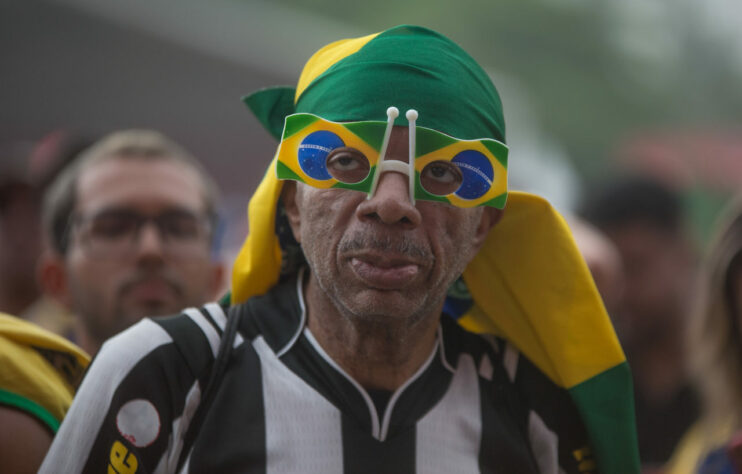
column 112, row 290
column 384, row 257
column 19, row 245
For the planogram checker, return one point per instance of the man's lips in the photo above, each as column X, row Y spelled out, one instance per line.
column 383, row 272
column 151, row 289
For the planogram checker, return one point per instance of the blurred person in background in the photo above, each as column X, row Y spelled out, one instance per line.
column 19, row 232
column 645, row 221
column 39, row 372
column 26, row 169
column 712, row 446
column 48, row 158
column 130, row 224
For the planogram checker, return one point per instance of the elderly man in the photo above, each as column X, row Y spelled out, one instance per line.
column 340, row 351
column 130, row 225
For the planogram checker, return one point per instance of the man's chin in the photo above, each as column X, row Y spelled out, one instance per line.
column 383, row 305
column 150, row 308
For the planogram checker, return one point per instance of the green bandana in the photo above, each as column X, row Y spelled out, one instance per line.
column 357, row 80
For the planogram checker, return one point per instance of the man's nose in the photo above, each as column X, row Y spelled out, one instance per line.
column 390, row 204
column 150, row 240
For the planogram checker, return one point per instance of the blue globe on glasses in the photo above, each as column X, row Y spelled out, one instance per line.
column 313, row 152
column 477, row 173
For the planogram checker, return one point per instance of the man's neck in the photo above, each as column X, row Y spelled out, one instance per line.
column 16, row 298
column 84, row 339
column 381, row 353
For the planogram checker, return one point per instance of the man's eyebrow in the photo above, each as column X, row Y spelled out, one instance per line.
column 124, row 209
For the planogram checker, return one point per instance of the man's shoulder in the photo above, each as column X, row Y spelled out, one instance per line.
column 191, row 337
column 198, row 332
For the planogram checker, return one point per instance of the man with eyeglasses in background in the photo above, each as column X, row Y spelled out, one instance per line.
column 130, row 225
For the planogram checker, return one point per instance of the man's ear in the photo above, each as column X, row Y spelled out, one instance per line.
column 289, row 196
column 490, row 216
column 52, row 276
column 219, row 284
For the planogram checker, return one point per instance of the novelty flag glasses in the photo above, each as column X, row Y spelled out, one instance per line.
column 351, row 155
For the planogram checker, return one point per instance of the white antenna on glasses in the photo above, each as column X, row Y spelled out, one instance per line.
column 411, row 118
column 391, row 114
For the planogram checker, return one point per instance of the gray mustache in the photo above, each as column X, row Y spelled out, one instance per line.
column 397, row 245
column 143, row 275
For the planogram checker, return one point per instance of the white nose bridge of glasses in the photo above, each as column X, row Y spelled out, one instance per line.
column 396, row 165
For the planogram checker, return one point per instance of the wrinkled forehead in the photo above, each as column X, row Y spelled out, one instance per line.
column 147, row 184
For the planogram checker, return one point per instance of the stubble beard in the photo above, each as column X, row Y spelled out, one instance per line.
column 374, row 314
column 103, row 320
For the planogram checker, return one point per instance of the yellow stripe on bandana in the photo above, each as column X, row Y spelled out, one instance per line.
column 327, row 57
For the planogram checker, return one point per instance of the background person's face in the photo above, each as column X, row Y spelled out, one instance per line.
column 736, row 293
column 658, row 277
column 112, row 292
column 383, row 257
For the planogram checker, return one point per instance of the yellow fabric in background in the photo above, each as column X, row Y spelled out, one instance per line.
column 47, row 381
column 696, row 444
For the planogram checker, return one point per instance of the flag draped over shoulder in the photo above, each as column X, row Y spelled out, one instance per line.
column 529, row 283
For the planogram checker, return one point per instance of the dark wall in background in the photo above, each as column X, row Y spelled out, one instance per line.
column 60, row 68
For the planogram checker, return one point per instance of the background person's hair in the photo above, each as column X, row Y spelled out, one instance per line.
column 61, row 198
column 633, row 199
column 714, row 332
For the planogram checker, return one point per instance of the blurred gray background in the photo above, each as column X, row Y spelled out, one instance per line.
column 590, row 88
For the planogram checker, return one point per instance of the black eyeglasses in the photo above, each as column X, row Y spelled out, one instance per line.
column 115, row 233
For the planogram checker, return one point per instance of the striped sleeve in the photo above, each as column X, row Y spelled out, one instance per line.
column 138, row 398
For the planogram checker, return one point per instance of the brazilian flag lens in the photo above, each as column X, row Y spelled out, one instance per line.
column 322, row 155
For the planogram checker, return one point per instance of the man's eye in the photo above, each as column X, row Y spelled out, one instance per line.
column 440, row 178
column 181, row 226
column 347, row 165
column 112, row 227
column 442, row 174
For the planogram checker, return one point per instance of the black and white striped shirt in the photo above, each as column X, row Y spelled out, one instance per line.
column 284, row 406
